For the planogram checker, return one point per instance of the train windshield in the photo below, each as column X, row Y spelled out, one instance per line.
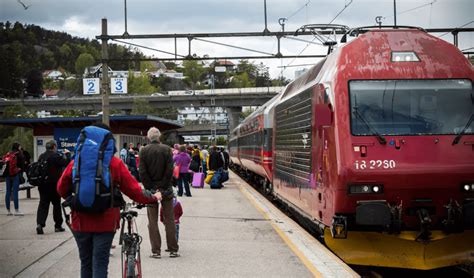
column 411, row 107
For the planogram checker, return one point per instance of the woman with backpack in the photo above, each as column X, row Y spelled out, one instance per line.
column 15, row 162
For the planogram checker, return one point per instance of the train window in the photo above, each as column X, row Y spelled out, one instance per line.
column 411, row 107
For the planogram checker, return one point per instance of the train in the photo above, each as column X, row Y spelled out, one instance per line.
column 373, row 148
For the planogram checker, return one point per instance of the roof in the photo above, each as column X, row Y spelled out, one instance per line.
column 116, row 122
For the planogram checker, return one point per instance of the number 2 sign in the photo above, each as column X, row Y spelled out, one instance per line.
column 90, row 86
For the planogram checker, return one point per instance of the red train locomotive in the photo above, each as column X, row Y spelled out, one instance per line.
column 374, row 146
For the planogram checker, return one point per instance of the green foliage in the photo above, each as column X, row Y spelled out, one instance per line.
column 84, row 61
column 22, row 135
column 241, row 81
column 194, row 72
column 141, row 107
column 140, row 84
column 220, row 140
column 24, row 48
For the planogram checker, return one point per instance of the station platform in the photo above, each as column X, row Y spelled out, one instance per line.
column 231, row 232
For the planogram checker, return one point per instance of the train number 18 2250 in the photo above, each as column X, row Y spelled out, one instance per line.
column 374, row 164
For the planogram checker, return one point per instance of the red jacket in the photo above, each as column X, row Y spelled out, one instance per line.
column 109, row 221
column 177, row 209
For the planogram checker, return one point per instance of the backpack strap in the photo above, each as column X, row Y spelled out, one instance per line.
column 77, row 163
column 100, row 168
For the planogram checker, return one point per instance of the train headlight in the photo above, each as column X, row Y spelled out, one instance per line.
column 365, row 188
column 467, row 187
column 404, row 56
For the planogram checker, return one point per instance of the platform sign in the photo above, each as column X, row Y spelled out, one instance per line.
column 66, row 138
column 90, row 86
column 118, row 86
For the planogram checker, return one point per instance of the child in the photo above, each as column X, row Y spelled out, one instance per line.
column 178, row 212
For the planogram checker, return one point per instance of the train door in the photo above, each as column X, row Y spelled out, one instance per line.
column 321, row 119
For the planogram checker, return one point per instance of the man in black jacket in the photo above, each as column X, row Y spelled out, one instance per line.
column 156, row 171
column 48, row 194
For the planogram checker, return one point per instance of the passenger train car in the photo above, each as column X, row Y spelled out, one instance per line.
column 374, row 146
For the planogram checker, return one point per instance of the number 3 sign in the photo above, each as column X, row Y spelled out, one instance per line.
column 90, row 86
column 118, row 85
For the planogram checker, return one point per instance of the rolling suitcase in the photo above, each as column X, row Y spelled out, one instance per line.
column 198, row 180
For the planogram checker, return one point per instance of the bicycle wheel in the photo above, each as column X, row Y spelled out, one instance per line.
column 130, row 265
column 138, row 263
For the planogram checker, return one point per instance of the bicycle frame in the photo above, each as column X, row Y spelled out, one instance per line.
column 130, row 241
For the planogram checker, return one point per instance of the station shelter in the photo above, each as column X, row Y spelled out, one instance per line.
column 65, row 130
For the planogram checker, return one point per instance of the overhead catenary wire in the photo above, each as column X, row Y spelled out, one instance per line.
column 309, row 43
column 234, row 46
column 442, row 35
column 412, row 9
column 149, row 48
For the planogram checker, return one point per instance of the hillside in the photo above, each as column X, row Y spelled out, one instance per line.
column 28, row 50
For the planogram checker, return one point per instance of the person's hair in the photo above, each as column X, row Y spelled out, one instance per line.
column 102, row 125
column 195, row 146
column 182, row 148
column 16, row 146
column 51, row 144
column 124, row 145
column 154, row 134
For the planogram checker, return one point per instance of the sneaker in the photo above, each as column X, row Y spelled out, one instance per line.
column 9, row 213
column 39, row 230
column 18, row 213
column 174, row 254
column 155, row 255
column 59, row 229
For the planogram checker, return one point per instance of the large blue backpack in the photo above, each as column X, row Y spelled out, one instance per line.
column 92, row 183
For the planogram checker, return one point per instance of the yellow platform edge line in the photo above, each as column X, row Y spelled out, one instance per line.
column 288, row 242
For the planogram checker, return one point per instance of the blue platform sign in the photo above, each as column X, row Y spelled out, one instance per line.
column 66, row 138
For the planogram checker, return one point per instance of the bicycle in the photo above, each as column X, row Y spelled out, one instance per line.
column 130, row 241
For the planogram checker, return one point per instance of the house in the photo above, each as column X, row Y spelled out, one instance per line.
column 167, row 73
column 228, row 65
column 50, row 93
column 52, row 74
column 95, row 71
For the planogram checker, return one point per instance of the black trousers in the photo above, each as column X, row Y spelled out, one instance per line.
column 48, row 196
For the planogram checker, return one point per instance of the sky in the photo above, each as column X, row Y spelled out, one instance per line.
column 83, row 19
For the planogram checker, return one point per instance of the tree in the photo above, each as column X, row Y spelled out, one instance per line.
column 140, row 84
column 84, row 61
column 34, row 83
column 241, row 81
column 193, row 71
column 263, row 76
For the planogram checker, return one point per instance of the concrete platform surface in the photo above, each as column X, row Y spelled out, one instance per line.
column 230, row 232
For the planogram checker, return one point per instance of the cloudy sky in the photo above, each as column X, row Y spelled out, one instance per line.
column 83, row 19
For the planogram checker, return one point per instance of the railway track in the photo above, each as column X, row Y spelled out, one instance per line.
column 372, row 271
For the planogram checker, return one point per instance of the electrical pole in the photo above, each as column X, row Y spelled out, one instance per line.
column 126, row 32
column 265, row 11
column 395, row 12
column 105, row 75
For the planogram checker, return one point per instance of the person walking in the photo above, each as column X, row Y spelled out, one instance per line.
column 156, row 171
column 94, row 232
column 204, row 154
column 182, row 160
column 55, row 165
column 14, row 168
column 123, row 153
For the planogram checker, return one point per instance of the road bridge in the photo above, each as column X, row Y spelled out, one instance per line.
column 231, row 99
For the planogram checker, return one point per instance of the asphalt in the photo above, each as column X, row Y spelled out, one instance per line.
column 223, row 233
